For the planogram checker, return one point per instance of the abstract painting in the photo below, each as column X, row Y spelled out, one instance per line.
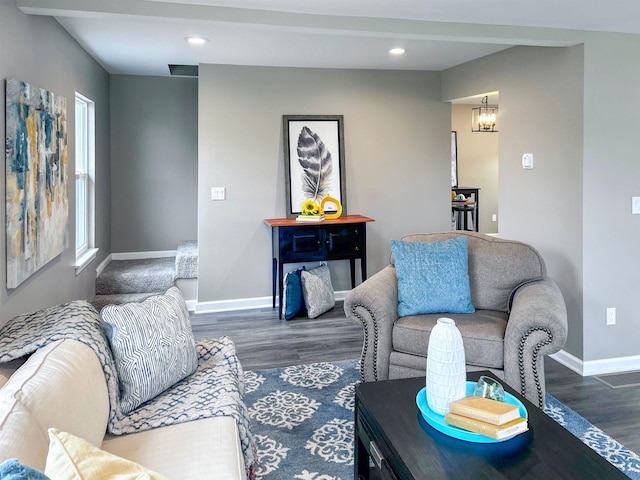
column 314, row 160
column 36, row 179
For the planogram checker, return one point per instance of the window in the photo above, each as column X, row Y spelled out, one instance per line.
column 85, row 207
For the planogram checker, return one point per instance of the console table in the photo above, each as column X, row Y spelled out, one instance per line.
column 343, row 238
column 468, row 191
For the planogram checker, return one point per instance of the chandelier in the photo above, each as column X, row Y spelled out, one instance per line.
column 484, row 118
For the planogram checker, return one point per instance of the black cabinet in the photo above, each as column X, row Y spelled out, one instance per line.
column 344, row 238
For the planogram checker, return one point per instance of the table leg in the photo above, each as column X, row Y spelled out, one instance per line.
column 280, row 288
column 363, row 266
column 274, row 270
column 352, row 266
column 474, row 216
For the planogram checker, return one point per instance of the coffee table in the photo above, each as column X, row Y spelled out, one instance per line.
column 390, row 429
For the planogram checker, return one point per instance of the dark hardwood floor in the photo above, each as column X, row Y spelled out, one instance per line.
column 264, row 341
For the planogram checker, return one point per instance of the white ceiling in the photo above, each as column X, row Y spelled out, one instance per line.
column 140, row 37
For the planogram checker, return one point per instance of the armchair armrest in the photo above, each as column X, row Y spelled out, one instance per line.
column 374, row 303
column 537, row 327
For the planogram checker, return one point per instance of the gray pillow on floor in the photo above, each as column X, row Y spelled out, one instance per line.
column 152, row 345
column 317, row 290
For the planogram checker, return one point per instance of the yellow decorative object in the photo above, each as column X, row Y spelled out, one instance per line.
column 311, row 207
column 453, row 195
column 330, row 199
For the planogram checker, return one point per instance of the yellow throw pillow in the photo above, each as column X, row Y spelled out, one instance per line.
column 72, row 458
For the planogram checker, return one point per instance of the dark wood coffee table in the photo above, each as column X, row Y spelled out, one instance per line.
column 390, row 429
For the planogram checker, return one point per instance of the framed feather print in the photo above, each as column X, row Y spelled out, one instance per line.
column 313, row 160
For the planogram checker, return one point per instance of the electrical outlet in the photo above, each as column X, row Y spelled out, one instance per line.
column 494, row 217
column 611, row 316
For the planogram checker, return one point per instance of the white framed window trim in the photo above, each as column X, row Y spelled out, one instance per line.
column 85, row 182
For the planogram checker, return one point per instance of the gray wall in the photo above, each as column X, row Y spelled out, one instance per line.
column 575, row 109
column 37, row 50
column 477, row 164
column 154, row 166
column 397, row 163
column 540, row 113
column 611, row 176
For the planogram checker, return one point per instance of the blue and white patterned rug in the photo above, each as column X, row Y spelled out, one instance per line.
column 302, row 419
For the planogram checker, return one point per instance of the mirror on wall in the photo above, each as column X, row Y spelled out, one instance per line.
column 454, row 159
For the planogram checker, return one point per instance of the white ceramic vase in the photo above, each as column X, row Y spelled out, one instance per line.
column 446, row 371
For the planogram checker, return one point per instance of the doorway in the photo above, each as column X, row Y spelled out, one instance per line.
column 477, row 159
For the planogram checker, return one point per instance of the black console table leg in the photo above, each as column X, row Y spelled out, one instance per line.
column 280, row 288
column 363, row 266
column 274, row 274
column 352, row 266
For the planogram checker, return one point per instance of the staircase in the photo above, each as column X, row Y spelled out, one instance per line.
column 124, row 281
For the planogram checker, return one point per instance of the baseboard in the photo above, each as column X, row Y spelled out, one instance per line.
column 597, row 367
column 100, row 268
column 142, row 255
column 245, row 304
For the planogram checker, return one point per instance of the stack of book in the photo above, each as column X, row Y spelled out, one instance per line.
column 309, row 218
column 488, row 417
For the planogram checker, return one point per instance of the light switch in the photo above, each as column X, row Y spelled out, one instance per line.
column 635, row 205
column 527, row 161
column 218, row 193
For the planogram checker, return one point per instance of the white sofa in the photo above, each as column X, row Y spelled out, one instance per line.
column 66, row 374
column 62, row 385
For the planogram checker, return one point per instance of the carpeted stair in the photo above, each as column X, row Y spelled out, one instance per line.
column 125, row 281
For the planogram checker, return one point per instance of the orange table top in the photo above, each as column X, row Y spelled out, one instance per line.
column 291, row 222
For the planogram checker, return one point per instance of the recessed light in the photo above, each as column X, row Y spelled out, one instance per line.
column 196, row 40
column 397, row 51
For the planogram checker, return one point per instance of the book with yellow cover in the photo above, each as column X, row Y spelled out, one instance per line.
column 499, row 432
column 309, row 218
column 485, row 409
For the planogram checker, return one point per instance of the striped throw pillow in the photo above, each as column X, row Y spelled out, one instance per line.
column 152, row 344
column 317, row 290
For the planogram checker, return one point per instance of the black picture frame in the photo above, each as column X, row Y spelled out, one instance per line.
column 454, row 159
column 318, row 135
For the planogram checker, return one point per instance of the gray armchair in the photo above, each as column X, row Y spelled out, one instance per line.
column 520, row 317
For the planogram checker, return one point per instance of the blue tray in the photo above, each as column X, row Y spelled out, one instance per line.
column 437, row 421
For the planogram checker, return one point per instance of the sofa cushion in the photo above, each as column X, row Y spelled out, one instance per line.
column 317, row 290
column 37, row 396
column 432, row 277
column 170, row 450
column 482, row 335
column 72, row 458
column 496, row 266
column 153, row 345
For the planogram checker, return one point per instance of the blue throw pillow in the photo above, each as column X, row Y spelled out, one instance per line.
column 433, row 277
column 293, row 298
column 12, row 469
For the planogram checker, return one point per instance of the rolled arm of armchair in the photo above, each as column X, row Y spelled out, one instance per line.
column 374, row 304
column 537, row 327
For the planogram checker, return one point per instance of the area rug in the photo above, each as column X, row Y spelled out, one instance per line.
column 302, row 419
